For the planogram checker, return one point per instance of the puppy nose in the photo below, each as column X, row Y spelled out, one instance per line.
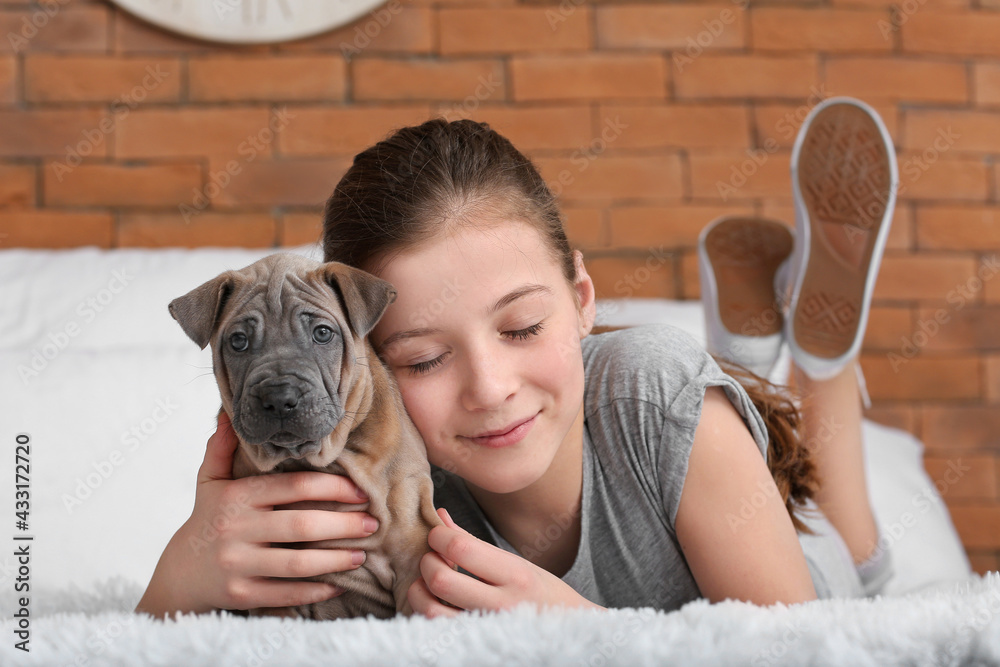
column 279, row 399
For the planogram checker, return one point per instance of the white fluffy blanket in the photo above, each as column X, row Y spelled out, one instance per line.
column 953, row 624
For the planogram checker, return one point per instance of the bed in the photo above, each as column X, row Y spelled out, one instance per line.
column 116, row 404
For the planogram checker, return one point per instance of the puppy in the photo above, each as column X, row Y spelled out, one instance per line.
column 305, row 391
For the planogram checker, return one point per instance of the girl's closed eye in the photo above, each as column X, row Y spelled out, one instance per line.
column 517, row 334
column 523, row 334
column 424, row 366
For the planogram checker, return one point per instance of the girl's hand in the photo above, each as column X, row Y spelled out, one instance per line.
column 504, row 579
column 222, row 558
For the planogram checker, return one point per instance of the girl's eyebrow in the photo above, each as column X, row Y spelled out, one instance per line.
column 502, row 302
column 510, row 297
column 402, row 335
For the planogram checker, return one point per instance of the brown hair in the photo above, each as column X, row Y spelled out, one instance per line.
column 422, row 180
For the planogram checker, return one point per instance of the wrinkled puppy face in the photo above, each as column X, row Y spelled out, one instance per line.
column 285, row 335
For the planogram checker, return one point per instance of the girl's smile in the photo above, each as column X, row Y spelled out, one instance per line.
column 504, row 436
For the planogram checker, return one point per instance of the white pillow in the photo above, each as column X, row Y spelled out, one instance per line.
column 118, row 403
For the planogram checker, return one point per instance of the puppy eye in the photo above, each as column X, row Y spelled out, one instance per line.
column 322, row 334
column 238, row 341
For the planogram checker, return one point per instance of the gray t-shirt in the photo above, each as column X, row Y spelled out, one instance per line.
column 644, row 388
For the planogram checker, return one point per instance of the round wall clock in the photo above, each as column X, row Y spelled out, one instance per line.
column 248, row 21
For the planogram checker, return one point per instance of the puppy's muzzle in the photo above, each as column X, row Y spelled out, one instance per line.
column 279, row 400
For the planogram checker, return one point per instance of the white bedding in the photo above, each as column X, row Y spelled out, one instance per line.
column 118, row 404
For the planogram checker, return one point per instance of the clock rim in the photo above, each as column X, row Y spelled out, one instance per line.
column 155, row 19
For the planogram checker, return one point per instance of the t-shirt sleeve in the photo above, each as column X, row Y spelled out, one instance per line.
column 653, row 378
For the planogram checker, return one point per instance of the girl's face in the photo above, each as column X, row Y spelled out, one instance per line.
column 483, row 336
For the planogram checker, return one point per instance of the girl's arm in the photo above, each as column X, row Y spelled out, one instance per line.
column 732, row 524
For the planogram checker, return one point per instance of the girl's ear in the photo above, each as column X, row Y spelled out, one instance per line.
column 586, row 297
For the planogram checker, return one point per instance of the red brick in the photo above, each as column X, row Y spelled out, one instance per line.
column 963, row 477
column 52, row 132
column 932, row 175
column 898, row 79
column 978, row 526
column 682, row 27
column 943, row 131
column 991, row 292
column 670, row 226
column 891, row 376
column 690, row 287
column 408, row 30
column 886, row 326
column 512, row 30
column 924, row 4
column 958, row 227
column 596, row 76
column 782, row 122
column 290, row 182
column 607, row 177
column 475, row 80
column 533, row 128
column 119, row 185
column 194, row 132
column 344, row 130
column 17, row 186
column 922, row 277
column 133, row 81
column 636, row 275
column 74, row 28
column 968, row 33
column 51, row 229
column 816, row 29
column 780, row 209
column 238, row 78
column 585, row 227
column 894, row 415
column 901, row 234
column 986, row 84
column 485, row 3
column 960, row 327
column 300, row 228
column 961, row 428
column 679, row 126
column 8, row 81
column 204, row 229
column 738, row 176
column 993, row 378
column 747, row 76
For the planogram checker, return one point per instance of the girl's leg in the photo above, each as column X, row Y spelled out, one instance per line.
column 831, row 428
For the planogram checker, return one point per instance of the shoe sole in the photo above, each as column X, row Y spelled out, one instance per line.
column 745, row 254
column 844, row 177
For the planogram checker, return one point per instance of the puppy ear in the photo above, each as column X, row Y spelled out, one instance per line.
column 365, row 297
column 199, row 310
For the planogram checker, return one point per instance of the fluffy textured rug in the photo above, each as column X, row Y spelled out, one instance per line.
column 953, row 624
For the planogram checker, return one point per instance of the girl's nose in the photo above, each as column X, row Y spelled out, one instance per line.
column 490, row 377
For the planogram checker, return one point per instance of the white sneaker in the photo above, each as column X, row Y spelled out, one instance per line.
column 737, row 260
column 844, row 183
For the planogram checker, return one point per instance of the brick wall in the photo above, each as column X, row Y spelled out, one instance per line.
column 115, row 133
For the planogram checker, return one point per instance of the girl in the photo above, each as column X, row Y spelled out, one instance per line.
column 609, row 470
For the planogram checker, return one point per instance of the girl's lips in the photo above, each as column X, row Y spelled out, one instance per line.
column 511, row 437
